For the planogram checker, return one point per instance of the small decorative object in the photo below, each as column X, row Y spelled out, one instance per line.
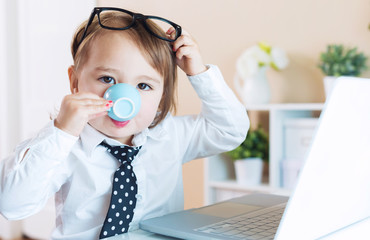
column 126, row 101
column 251, row 69
column 249, row 156
column 340, row 61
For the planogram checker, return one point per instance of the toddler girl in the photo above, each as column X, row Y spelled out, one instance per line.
column 75, row 156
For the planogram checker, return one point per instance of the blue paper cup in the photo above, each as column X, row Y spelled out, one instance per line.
column 126, row 101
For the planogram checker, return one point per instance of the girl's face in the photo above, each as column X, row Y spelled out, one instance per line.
column 114, row 58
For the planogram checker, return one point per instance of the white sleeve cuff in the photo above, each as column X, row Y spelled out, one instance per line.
column 208, row 82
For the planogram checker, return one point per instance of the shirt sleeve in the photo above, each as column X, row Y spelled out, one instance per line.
column 34, row 172
column 223, row 122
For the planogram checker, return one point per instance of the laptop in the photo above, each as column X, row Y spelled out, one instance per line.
column 332, row 193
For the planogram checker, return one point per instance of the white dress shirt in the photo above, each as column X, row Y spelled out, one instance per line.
column 79, row 171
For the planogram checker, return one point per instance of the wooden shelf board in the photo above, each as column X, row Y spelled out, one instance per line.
column 234, row 186
column 286, row 106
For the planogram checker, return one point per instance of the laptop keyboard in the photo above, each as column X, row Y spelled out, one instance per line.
column 260, row 224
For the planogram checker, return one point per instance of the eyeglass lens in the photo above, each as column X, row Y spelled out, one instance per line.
column 127, row 22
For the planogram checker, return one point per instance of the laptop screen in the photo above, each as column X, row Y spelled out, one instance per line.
column 334, row 187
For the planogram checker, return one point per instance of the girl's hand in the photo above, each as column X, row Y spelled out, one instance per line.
column 188, row 57
column 77, row 109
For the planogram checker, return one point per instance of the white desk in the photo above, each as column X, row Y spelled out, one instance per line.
column 139, row 235
column 358, row 231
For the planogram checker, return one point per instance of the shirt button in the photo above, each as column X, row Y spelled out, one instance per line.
column 139, row 197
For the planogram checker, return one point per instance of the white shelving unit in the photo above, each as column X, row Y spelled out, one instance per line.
column 220, row 183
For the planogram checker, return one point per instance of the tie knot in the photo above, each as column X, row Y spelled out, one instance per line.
column 122, row 153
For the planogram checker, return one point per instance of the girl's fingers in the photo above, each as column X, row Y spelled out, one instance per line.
column 77, row 109
column 183, row 51
column 86, row 106
column 90, row 101
column 96, row 115
column 171, row 32
column 184, row 39
column 96, row 108
column 181, row 42
column 188, row 57
column 85, row 95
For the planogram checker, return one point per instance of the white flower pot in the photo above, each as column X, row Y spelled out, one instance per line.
column 291, row 169
column 329, row 82
column 248, row 171
column 255, row 89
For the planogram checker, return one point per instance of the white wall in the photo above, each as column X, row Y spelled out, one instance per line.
column 3, row 82
column 35, row 54
column 45, row 32
column 8, row 28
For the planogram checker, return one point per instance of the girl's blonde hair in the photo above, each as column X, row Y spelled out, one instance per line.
column 157, row 52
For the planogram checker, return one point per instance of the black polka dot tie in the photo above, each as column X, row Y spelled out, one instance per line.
column 124, row 190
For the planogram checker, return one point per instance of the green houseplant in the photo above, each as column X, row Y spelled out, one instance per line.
column 337, row 61
column 255, row 145
column 341, row 61
column 249, row 156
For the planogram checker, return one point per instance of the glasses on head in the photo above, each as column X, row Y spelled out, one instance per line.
column 162, row 23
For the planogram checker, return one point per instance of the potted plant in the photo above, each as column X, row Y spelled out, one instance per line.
column 249, row 156
column 340, row 61
column 250, row 80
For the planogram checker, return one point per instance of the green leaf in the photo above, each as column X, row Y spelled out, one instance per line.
column 273, row 65
column 341, row 61
column 256, row 144
column 265, row 47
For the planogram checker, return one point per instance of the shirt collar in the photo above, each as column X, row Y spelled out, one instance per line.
column 156, row 133
column 91, row 138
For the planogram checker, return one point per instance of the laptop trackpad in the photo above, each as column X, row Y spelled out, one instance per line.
column 226, row 209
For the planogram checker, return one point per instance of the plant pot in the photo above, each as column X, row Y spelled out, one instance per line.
column 291, row 169
column 329, row 82
column 255, row 89
column 248, row 171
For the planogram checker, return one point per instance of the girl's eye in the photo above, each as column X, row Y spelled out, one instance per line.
column 143, row 86
column 107, row 79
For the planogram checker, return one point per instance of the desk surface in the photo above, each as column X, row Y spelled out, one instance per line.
column 139, row 235
column 358, row 231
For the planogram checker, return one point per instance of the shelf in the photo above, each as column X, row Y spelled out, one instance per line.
column 234, row 186
column 286, row 106
column 219, row 174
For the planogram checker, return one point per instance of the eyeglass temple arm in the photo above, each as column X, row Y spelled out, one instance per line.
column 92, row 15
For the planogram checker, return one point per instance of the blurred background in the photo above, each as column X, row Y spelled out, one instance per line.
column 35, row 54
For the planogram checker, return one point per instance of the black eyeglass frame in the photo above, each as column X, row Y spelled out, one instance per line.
column 135, row 17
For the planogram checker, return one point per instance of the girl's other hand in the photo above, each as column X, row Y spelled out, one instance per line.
column 77, row 109
column 188, row 56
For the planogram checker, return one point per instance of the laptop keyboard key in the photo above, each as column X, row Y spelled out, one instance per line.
column 256, row 225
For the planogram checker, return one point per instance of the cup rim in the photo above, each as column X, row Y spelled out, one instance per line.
column 119, row 100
